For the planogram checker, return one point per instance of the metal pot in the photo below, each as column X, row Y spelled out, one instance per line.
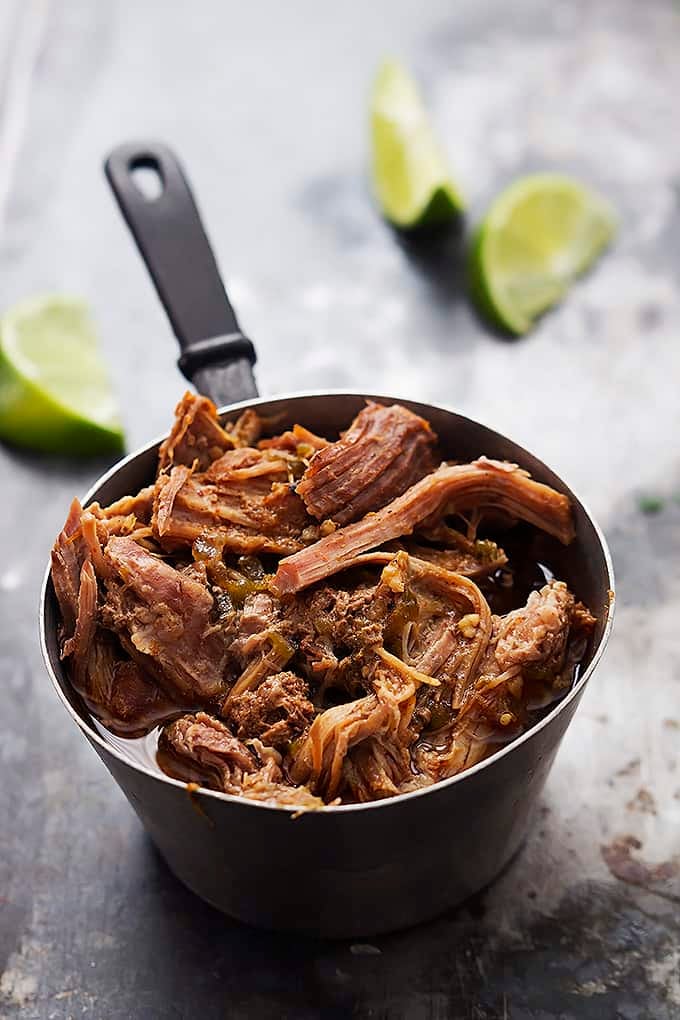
column 348, row 870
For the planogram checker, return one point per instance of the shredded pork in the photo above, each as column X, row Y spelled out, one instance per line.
column 382, row 453
column 314, row 621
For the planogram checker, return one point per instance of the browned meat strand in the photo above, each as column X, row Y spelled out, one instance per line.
column 200, row 748
column 197, row 437
column 209, row 750
column 299, row 441
column 321, row 761
column 116, row 689
column 528, row 644
column 536, row 635
column 482, row 484
column 165, row 617
column 245, row 496
column 375, row 769
column 125, row 514
column 304, row 619
column 259, row 648
column 68, row 555
column 334, row 627
column 384, row 451
column 334, row 732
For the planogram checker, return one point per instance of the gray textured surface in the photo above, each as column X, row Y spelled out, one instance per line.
column 266, row 104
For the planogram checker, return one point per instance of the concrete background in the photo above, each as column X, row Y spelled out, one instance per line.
column 266, row 104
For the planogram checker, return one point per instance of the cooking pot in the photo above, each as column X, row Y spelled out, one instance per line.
column 348, row 870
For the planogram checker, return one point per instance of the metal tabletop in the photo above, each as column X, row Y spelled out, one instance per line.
column 266, row 104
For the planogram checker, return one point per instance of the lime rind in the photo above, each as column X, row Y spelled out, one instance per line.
column 55, row 394
column 411, row 180
column 539, row 235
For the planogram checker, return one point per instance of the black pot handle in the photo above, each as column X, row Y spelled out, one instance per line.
column 167, row 227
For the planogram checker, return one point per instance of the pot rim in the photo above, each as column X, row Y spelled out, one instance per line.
column 94, row 737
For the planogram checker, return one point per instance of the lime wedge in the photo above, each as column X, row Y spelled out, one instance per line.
column 537, row 237
column 54, row 389
column 410, row 175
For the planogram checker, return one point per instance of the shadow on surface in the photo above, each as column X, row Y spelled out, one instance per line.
column 437, row 254
column 82, row 470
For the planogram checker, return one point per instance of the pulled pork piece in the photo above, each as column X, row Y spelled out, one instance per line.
column 319, row 762
column 434, row 621
column 528, row 644
column 259, row 648
column 200, row 748
column 197, row 437
column 384, row 451
column 299, row 441
column 321, row 759
column 535, row 637
column 126, row 514
column 257, row 787
column 453, row 631
column 164, row 620
column 125, row 698
column 375, row 769
column 332, row 626
column 69, row 553
column 483, row 483
column 494, row 714
column 115, row 689
column 245, row 498
column 247, row 428
column 276, row 712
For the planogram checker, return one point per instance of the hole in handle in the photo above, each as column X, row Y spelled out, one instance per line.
column 147, row 177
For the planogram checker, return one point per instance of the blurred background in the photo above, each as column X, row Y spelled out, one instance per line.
column 267, row 106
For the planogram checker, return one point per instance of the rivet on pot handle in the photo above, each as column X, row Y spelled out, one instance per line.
column 167, row 228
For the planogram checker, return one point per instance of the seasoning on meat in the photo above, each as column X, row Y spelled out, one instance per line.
column 277, row 711
column 384, row 451
column 313, row 622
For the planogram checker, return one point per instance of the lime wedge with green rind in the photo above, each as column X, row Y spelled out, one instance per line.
column 55, row 394
column 411, row 179
column 541, row 233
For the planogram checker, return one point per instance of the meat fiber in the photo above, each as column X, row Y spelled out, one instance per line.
column 319, row 763
column 299, row 441
column 206, row 749
column 201, row 748
column 528, row 644
column 69, row 553
column 197, row 438
column 117, row 690
column 384, row 451
column 245, row 497
column 480, row 485
column 165, row 617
